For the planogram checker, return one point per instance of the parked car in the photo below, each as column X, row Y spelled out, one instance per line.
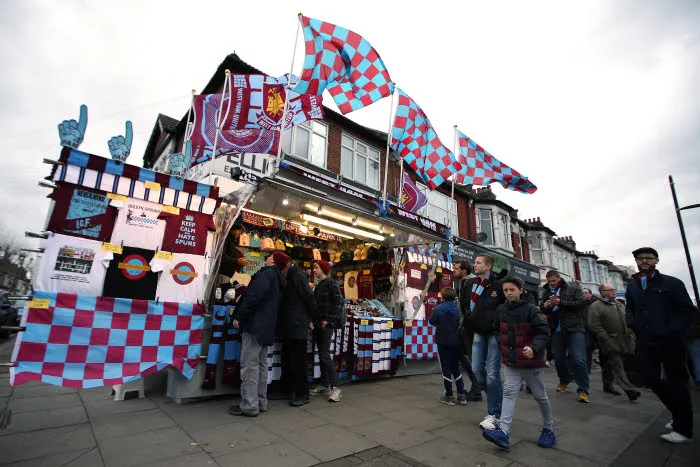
column 8, row 313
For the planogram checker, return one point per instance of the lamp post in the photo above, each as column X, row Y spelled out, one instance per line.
column 685, row 241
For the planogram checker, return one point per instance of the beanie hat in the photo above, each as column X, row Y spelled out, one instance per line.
column 325, row 266
column 280, row 259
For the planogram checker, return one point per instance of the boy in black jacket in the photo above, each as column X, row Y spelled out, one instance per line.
column 523, row 336
column 446, row 319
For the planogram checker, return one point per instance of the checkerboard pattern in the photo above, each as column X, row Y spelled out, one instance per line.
column 83, row 341
column 481, row 168
column 414, row 138
column 420, row 341
column 343, row 62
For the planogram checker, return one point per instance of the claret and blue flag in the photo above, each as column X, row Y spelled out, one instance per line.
column 480, row 168
column 345, row 64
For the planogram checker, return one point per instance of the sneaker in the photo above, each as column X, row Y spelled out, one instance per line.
column 633, row 395
column 320, row 391
column 298, row 402
column 676, row 438
column 669, row 425
column 489, row 423
column 583, row 397
column 611, row 390
column 237, row 411
column 462, row 399
column 497, row 437
column 335, row 395
column 561, row 387
column 473, row 396
column 279, row 396
column 547, row 438
column 447, row 400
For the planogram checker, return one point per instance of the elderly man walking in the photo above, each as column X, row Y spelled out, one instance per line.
column 606, row 320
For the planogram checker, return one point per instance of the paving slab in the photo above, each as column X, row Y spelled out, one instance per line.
column 32, row 421
column 193, row 418
column 229, row 439
column 347, row 461
column 280, row 454
column 144, row 448
column 5, row 389
column 531, row 455
column 442, row 452
column 328, row 442
column 83, row 458
column 345, row 415
column 112, row 407
column 370, row 454
column 281, row 422
column 393, row 434
column 22, row 447
column 198, row 459
column 39, row 391
column 108, row 427
column 44, row 403
column 420, row 418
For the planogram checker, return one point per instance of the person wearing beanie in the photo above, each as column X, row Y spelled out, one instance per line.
column 327, row 317
column 232, row 260
column 256, row 317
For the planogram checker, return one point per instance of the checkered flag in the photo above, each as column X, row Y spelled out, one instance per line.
column 481, row 168
column 343, row 62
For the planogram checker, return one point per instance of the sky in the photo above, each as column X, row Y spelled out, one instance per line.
column 597, row 102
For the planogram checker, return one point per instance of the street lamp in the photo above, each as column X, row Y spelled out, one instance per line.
column 685, row 241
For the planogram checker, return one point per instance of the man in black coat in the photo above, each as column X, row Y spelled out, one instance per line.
column 660, row 312
column 256, row 316
column 293, row 324
column 463, row 272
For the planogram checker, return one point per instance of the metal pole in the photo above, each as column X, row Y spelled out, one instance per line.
column 685, row 241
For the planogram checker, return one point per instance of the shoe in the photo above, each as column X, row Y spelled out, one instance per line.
column 583, row 397
column 633, row 395
column 335, row 395
column 262, row 409
column 299, row 402
column 547, row 438
column 548, row 363
column 447, row 400
column 612, row 391
column 320, row 391
column 462, row 399
column 497, row 437
column 236, row 410
column 489, row 423
column 561, row 387
column 473, row 396
column 669, row 425
column 279, row 396
column 676, row 438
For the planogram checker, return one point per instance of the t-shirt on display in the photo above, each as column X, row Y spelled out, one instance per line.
column 138, row 225
column 186, row 232
column 180, row 279
column 129, row 275
column 350, row 288
column 82, row 213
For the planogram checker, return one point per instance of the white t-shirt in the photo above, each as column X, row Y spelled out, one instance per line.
column 138, row 225
column 180, row 279
column 350, row 288
column 412, row 303
column 72, row 265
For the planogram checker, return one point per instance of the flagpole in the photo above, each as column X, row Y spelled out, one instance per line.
column 401, row 183
column 286, row 98
column 452, row 195
column 219, row 121
column 189, row 127
column 388, row 148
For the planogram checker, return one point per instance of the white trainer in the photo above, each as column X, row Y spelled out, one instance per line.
column 669, row 425
column 489, row 423
column 335, row 395
column 676, row 438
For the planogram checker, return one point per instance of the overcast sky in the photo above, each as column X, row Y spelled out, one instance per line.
column 596, row 102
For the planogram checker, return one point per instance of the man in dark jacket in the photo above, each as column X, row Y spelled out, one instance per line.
column 256, row 316
column 564, row 305
column 463, row 272
column 485, row 296
column 293, row 324
column 660, row 312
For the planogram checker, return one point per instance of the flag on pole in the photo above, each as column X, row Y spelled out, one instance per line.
column 343, row 62
column 412, row 199
column 480, row 168
column 414, row 138
column 258, row 102
column 231, row 140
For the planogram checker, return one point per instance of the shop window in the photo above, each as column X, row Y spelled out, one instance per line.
column 438, row 207
column 359, row 162
column 308, row 140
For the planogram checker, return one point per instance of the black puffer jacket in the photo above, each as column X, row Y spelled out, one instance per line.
column 297, row 306
column 257, row 311
column 570, row 313
column 484, row 318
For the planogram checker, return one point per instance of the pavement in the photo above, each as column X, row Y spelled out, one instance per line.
column 390, row 422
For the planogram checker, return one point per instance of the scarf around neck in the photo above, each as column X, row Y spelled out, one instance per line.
column 477, row 289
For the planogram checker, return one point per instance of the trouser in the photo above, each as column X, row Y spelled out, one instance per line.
column 465, row 358
column 253, row 374
column 694, row 351
column 449, row 362
column 570, row 354
column 323, row 338
column 296, row 368
column 590, row 347
column 673, row 391
column 512, row 379
column 486, row 364
column 607, row 375
column 616, row 369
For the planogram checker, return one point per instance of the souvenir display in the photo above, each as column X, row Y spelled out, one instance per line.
column 82, row 212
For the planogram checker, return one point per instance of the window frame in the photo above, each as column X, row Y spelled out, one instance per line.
column 490, row 235
column 367, row 157
column 308, row 126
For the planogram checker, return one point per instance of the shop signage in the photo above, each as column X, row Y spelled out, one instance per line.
column 527, row 272
column 295, row 229
column 255, row 164
column 394, row 210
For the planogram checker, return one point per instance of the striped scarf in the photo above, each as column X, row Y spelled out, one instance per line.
column 477, row 289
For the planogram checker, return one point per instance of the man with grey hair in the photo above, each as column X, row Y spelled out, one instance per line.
column 607, row 322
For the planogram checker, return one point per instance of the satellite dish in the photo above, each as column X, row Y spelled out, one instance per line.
column 481, row 237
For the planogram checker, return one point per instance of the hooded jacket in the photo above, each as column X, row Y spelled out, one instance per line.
column 445, row 318
column 257, row 311
column 522, row 324
column 297, row 305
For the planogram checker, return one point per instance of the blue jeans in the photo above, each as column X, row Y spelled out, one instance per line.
column 694, row 351
column 486, row 363
column 570, row 355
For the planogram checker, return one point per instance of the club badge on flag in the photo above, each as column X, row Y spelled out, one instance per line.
column 414, row 138
column 481, row 168
column 343, row 62
column 412, row 199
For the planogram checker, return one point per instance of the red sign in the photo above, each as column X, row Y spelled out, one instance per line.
column 296, row 229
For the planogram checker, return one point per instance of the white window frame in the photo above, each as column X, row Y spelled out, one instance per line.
column 490, row 240
column 369, row 158
column 312, row 127
column 535, row 249
column 435, row 212
column 585, row 269
column 503, row 228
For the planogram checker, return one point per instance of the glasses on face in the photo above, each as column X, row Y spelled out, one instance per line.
column 645, row 259
column 608, row 290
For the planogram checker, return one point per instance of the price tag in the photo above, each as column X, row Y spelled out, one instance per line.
column 152, row 185
column 423, row 266
column 289, row 245
column 366, row 271
column 307, row 264
column 39, row 303
column 364, row 322
column 438, row 270
column 117, row 197
column 164, row 255
column 390, row 324
column 112, row 248
column 171, row 209
column 255, row 254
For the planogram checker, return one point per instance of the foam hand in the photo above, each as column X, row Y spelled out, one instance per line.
column 180, row 162
column 72, row 132
column 120, row 146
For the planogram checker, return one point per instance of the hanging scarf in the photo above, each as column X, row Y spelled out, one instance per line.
column 477, row 289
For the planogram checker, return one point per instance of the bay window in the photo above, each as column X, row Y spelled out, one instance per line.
column 359, row 162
